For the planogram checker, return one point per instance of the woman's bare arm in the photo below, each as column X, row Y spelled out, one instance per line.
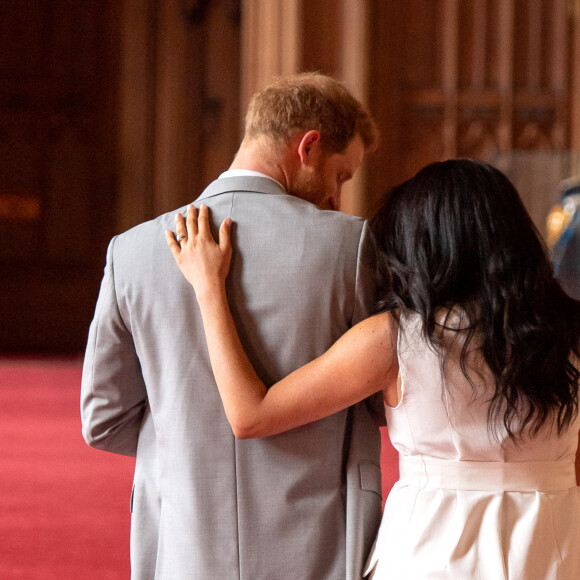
column 359, row 364
column 577, row 463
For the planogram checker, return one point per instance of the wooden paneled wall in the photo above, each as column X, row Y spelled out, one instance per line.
column 331, row 36
column 179, row 102
column 491, row 79
column 445, row 78
column 113, row 112
column 496, row 77
column 57, row 171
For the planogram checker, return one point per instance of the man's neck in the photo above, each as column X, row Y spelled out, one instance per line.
column 257, row 156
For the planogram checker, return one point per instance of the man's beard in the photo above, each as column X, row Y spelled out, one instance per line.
column 311, row 188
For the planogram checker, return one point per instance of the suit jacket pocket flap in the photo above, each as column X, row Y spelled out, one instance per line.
column 370, row 477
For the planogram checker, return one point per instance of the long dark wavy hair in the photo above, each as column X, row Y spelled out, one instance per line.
column 458, row 236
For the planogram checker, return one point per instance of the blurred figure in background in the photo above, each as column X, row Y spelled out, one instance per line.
column 564, row 237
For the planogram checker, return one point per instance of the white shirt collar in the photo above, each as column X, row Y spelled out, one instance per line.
column 248, row 173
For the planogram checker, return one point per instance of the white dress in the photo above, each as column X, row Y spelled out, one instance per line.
column 468, row 506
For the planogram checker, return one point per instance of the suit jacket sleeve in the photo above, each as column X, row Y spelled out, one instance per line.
column 363, row 474
column 366, row 278
column 365, row 302
column 113, row 395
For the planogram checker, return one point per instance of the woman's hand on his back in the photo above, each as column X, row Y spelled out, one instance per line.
column 203, row 262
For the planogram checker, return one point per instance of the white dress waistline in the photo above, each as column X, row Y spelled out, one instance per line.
column 528, row 476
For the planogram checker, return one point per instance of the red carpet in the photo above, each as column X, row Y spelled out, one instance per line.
column 389, row 463
column 64, row 508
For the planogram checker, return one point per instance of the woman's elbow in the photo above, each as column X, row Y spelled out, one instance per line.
column 247, row 429
column 244, row 431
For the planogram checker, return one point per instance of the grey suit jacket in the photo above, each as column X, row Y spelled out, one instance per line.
column 300, row 505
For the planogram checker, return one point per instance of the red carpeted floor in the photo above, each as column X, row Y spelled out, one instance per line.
column 389, row 463
column 64, row 508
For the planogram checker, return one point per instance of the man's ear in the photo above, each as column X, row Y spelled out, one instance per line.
column 309, row 143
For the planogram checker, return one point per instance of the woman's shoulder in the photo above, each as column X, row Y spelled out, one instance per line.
column 377, row 328
column 381, row 322
column 377, row 331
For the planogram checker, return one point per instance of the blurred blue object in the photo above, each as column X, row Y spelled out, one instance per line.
column 566, row 252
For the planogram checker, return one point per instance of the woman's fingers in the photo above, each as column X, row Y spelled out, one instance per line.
column 195, row 227
column 192, row 220
column 203, row 223
column 180, row 229
column 172, row 243
column 203, row 261
column 224, row 236
column 184, row 230
column 177, row 241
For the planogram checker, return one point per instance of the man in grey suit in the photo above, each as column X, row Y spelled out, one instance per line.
column 302, row 505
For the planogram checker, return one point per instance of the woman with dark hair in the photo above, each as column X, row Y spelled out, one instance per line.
column 476, row 349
